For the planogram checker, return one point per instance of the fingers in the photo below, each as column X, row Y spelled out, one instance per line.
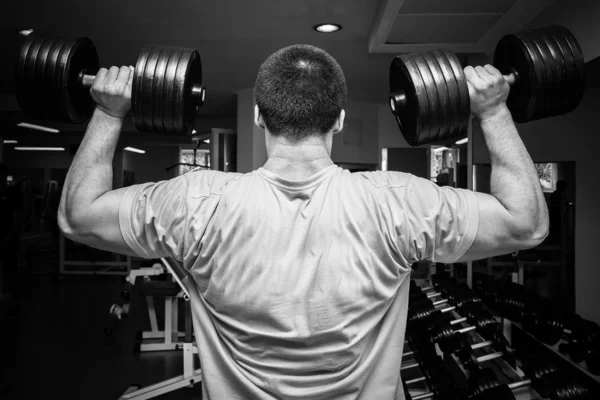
column 98, row 84
column 113, row 73
column 122, row 79
column 474, row 79
column 493, row 71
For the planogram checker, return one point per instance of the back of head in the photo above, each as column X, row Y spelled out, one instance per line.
column 300, row 91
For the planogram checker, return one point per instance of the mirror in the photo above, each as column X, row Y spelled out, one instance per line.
column 549, row 269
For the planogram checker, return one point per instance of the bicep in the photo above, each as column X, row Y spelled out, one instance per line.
column 495, row 232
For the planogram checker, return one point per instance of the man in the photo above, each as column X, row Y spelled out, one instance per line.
column 300, row 269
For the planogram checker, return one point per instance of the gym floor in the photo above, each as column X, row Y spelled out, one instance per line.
column 57, row 347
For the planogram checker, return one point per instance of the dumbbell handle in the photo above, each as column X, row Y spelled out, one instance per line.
column 520, row 384
column 411, row 381
column 86, row 81
column 475, row 346
column 398, row 99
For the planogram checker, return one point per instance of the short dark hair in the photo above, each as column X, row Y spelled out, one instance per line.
column 300, row 91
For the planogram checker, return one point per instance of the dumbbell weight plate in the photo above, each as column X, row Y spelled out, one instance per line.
column 464, row 106
column 50, row 72
column 433, row 118
column 547, row 109
column 145, row 90
column 480, row 380
column 512, row 53
column 77, row 56
column 30, row 87
column 168, row 87
column 570, row 70
column 563, row 69
column 540, row 91
column 185, row 107
column 440, row 93
column 158, row 98
column 545, row 38
column 454, row 96
column 412, row 118
column 42, row 85
column 137, row 84
column 578, row 84
column 20, row 80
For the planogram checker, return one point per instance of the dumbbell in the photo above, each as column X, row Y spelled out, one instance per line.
column 429, row 95
column 443, row 389
column 554, row 384
column 54, row 76
column 420, row 297
column 583, row 339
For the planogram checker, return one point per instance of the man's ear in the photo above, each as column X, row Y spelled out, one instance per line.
column 258, row 119
column 339, row 124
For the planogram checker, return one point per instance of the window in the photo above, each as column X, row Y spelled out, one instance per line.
column 548, row 174
column 187, row 157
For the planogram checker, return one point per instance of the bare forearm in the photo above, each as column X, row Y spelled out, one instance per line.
column 514, row 180
column 91, row 173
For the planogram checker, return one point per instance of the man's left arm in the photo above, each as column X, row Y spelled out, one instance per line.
column 89, row 208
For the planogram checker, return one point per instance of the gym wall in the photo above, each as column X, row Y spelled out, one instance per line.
column 572, row 137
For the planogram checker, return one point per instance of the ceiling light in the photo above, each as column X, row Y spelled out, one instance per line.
column 37, row 127
column 207, row 141
column 24, row 32
column 40, row 148
column 134, row 150
column 10, row 142
column 462, row 141
column 194, row 131
column 327, row 28
column 436, row 149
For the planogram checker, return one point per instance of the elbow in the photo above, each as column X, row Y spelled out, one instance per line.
column 533, row 234
column 66, row 225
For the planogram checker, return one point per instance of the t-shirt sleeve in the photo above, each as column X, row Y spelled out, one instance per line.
column 152, row 217
column 442, row 222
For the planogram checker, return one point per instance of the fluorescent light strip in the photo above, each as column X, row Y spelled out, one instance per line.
column 462, row 141
column 25, row 32
column 40, row 148
column 134, row 150
column 10, row 142
column 37, row 127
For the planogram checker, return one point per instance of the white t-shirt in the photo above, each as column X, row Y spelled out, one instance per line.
column 301, row 288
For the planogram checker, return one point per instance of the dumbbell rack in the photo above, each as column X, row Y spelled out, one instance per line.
column 516, row 330
column 554, row 348
column 505, row 373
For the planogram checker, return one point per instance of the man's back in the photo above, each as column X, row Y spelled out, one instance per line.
column 302, row 287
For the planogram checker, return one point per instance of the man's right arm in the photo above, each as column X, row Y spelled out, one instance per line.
column 515, row 216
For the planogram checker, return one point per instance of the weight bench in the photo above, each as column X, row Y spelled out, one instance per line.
column 173, row 291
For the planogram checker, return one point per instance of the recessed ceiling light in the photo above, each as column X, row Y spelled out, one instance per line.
column 37, row 127
column 24, row 32
column 327, row 28
column 207, row 141
column 40, row 148
column 462, row 141
column 134, row 150
column 10, row 142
